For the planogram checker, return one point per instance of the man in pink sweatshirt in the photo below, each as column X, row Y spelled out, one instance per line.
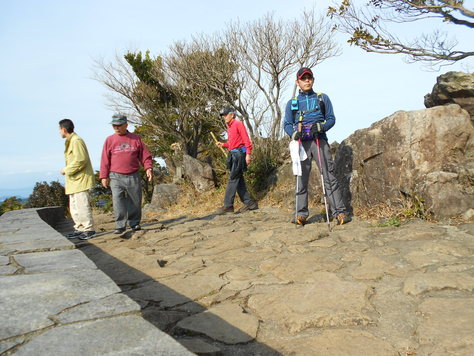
column 122, row 154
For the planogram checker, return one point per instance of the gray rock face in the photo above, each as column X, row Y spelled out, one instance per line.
column 425, row 154
column 199, row 173
column 453, row 87
column 164, row 196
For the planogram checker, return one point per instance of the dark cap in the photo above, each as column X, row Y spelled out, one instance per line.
column 118, row 119
column 304, row 71
column 226, row 111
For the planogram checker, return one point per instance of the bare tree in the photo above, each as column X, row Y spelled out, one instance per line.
column 267, row 52
column 156, row 95
column 121, row 82
column 248, row 66
column 367, row 26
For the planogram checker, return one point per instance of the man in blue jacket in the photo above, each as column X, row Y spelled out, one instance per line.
column 307, row 118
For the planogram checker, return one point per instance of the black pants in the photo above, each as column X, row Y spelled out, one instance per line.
column 236, row 184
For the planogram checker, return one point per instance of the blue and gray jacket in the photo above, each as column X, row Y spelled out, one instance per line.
column 308, row 104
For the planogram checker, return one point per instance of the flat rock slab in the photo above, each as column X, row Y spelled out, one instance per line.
column 200, row 347
column 447, row 327
column 426, row 282
column 371, row 267
column 100, row 308
column 54, row 261
column 28, row 301
column 329, row 302
column 225, row 322
column 300, row 268
column 179, row 290
column 7, row 270
column 41, row 245
column 124, row 335
column 342, row 343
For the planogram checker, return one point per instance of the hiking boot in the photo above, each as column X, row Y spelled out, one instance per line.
column 74, row 234
column 136, row 227
column 250, row 206
column 300, row 220
column 86, row 235
column 343, row 219
column 119, row 230
column 224, row 210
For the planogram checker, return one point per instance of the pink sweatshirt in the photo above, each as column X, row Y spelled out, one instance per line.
column 123, row 154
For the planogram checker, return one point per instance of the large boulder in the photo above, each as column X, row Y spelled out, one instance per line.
column 164, row 196
column 453, row 87
column 427, row 155
column 199, row 173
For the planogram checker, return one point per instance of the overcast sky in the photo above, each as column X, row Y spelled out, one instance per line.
column 48, row 48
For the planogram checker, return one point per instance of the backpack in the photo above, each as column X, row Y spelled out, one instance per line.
column 322, row 106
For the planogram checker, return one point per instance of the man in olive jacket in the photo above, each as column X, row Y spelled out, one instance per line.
column 79, row 179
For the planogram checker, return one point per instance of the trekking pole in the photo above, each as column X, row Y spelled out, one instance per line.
column 322, row 183
column 299, row 127
column 215, row 140
column 296, row 202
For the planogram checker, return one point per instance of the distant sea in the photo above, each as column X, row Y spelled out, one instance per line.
column 21, row 185
column 22, row 193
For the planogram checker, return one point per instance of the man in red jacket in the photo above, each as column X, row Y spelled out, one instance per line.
column 122, row 154
column 239, row 156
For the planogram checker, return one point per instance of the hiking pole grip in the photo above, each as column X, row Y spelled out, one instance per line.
column 216, row 141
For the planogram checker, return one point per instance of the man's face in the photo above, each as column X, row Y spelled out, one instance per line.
column 228, row 118
column 120, row 129
column 62, row 132
column 305, row 82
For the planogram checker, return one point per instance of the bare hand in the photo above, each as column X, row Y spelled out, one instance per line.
column 248, row 159
column 62, row 172
column 219, row 144
column 149, row 174
column 105, row 182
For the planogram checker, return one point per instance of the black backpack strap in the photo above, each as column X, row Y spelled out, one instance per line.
column 322, row 106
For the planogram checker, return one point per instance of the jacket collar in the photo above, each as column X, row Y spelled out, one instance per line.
column 311, row 92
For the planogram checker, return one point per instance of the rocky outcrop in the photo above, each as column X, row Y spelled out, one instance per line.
column 426, row 155
column 199, row 173
column 453, row 87
column 164, row 196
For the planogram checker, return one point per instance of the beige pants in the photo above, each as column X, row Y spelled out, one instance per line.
column 81, row 212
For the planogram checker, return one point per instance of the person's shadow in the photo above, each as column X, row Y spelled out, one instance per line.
column 166, row 314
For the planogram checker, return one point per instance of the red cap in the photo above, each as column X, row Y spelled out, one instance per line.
column 304, row 71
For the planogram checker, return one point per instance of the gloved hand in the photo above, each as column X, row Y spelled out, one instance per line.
column 315, row 129
column 296, row 135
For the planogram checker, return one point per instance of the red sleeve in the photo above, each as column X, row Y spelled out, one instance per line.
column 245, row 137
column 105, row 161
column 146, row 158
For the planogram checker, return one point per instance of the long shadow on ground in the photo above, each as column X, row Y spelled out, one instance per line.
column 164, row 307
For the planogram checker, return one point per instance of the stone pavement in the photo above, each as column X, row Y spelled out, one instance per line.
column 254, row 284
column 55, row 301
column 246, row 284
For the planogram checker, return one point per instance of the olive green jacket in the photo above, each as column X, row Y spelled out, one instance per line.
column 78, row 171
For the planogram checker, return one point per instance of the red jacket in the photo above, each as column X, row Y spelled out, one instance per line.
column 237, row 136
column 123, row 154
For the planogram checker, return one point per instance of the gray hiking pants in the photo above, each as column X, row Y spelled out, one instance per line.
column 331, row 184
column 127, row 198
